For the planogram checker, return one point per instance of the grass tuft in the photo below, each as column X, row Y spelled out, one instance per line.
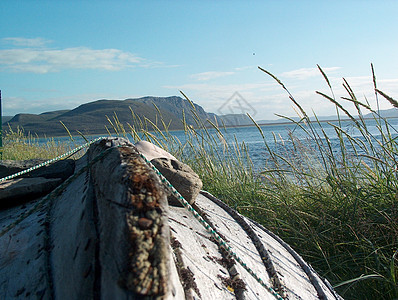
column 19, row 145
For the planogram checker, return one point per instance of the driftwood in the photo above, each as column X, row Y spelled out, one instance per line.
column 109, row 233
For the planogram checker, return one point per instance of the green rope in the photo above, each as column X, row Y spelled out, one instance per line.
column 217, row 237
column 71, row 152
column 56, row 191
column 184, row 202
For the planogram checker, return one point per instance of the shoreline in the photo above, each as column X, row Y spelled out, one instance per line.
column 276, row 123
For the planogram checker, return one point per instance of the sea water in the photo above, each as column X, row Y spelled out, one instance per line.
column 277, row 138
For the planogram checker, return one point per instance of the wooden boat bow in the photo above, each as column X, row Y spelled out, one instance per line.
column 110, row 234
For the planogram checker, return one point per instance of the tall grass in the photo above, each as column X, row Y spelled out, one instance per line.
column 338, row 209
column 19, row 145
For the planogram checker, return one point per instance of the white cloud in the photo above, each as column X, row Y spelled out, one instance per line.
column 223, row 89
column 210, row 75
column 25, row 42
column 261, row 96
column 49, row 60
column 305, row 73
column 269, row 98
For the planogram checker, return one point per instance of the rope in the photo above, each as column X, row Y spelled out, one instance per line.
column 57, row 190
column 217, row 237
column 185, row 203
column 265, row 257
column 71, row 152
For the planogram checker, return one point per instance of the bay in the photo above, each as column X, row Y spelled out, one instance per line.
column 277, row 137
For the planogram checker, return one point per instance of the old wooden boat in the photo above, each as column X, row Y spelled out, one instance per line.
column 108, row 232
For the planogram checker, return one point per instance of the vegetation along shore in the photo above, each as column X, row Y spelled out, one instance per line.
column 338, row 209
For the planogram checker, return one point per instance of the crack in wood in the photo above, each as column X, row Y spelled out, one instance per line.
column 186, row 276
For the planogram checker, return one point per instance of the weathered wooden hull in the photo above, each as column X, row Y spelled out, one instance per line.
column 110, row 234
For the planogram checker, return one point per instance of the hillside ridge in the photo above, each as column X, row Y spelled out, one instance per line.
column 92, row 117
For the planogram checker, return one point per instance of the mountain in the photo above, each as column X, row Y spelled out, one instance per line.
column 236, row 120
column 23, row 119
column 387, row 113
column 91, row 118
column 5, row 119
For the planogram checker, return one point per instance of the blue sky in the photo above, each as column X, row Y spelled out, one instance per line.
column 60, row 54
